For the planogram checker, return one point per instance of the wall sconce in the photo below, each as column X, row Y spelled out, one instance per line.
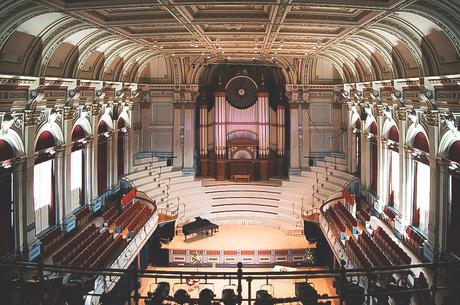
column 124, row 130
column 106, row 134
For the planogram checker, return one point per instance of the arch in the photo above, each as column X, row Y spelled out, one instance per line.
column 107, row 119
column 45, row 140
column 54, row 129
column 102, row 160
column 78, row 133
column 412, row 131
column 85, row 124
column 14, row 139
column 6, row 151
column 446, row 141
column 420, row 142
column 390, row 129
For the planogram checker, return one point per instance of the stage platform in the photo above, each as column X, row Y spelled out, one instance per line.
column 251, row 245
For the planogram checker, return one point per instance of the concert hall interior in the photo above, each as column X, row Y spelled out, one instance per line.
column 229, row 152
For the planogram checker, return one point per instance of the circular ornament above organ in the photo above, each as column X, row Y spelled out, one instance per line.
column 241, row 92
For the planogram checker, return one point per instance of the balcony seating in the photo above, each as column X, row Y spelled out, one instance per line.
column 395, row 253
column 363, row 216
column 103, row 259
column 83, row 216
column 110, row 215
column 414, row 240
column 92, row 251
column 51, row 239
column 346, row 216
column 356, row 255
column 139, row 220
column 126, row 216
column 75, row 245
column 373, row 252
column 334, row 222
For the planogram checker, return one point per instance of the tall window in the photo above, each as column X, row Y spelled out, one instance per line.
column 76, row 166
column 421, row 180
column 422, row 195
column 373, row 157
column 454, row 199
column 6, row 199
column 43, row 195
column 44, row 182
column 394, row 180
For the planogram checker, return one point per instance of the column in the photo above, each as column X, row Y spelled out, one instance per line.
column 280, row 139
column 189, row 138
column 203, row 140
column 351, row 141
column 89, row 169
column 110, row 161
column 404, row 206
column 31, row 246
column 95, row 109
column 220, row 135
column 114, row 153
column 19, row 182
column 381, row 155
column 432, row 119
column 178, row 136
column 129, row 140
column 66, row 219
column 305, row 152
column 294, row 166
column 127, row 154
column 264, row 136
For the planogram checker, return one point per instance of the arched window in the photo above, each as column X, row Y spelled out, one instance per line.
column 6, row 199
column 77, row 168
column 44, row 205
column 421, row 182
column 373, row 157
column 121, row 147
column 102, row 161
column 393, row 177
column 454, row 221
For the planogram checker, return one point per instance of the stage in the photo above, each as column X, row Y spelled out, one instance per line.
column 251, row 245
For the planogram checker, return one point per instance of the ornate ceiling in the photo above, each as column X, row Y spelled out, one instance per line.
column 363, row 39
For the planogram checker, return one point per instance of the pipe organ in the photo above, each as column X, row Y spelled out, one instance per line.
column 241, row 120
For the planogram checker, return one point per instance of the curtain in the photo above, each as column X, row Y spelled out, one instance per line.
column 6, row 213
column 454, row 231
column 374, row 168
column 102, row 165
column 394, row 179
column 43, row 195
column 421, row 203
column 76, row 179
column 120, row 154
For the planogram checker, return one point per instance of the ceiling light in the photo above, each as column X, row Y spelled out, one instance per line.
column 228, row 57
column 202, row 54
column 208, row 57
column 219, row 47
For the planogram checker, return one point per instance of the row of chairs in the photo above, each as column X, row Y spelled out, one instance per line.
column 51, row 239
column 75, row 245
column 110, row 215
column 83, row 216
column 103, row 260
column 414, row 240
column 395, row 252
column 139, row 221
column 127, row 215
column 334, row 221
column 343, row 213
column 356, row 254
column 92, row 251
column 363, row 216
column 373, row 252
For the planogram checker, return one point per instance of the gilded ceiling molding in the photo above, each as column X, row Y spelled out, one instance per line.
column 339, row 66
column 346, row 62
column 114, row 54
column 12, row 19
column 88, row 47
column 369, row 39
column 361, row 55
column 410, row 42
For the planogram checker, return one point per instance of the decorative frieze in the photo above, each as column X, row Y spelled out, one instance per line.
column 69, row 113
column 379, row 110
column 432, row 118
column 95, row 109
column 401, row 113
column 30, row 117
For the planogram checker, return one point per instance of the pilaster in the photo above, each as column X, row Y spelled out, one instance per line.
column 189, row 138
column 178, row 136
column 305, row 140
column 294, row 166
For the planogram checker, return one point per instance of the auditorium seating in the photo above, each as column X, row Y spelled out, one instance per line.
column 92, row 250
column 356, row 255
column 139, row 220
column 345, row 215
column 362, row 216
column 103, row 259
column 414, row 240
column 372, row 251
column 388, row 216
column 110, row 214
column 51, row 239
column 83, row 216
column 395, row 253
column 126, row 216
column 75, row 245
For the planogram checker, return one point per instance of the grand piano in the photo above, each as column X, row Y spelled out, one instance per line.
column 199, row 225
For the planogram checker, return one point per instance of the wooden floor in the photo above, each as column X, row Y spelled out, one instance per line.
column 212, row 182
column 240, row 237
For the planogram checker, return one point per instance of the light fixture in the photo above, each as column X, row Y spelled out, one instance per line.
column 124, row 130
column 6, row 164
column 106, row 134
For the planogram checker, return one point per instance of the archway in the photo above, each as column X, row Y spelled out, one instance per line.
column 6, row 199
column 44, row 183
column 102, row 161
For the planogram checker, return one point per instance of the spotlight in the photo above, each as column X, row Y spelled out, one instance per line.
column 181, row 297
column 229, row 297
column 206, row 296
column 263, row 298
column 157, row 297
